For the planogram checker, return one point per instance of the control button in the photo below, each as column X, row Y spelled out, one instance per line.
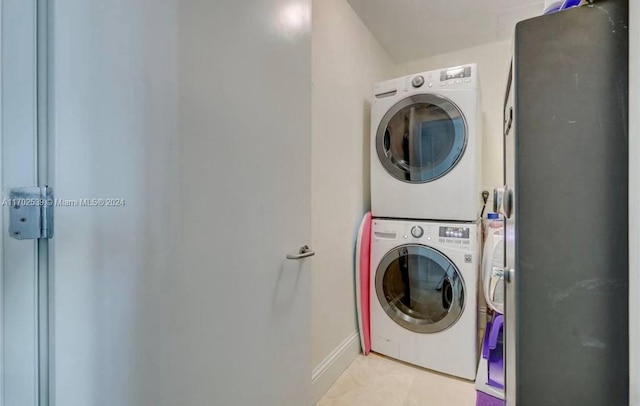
column 417, row 231
column 418, row 81
column 450, row 82
column 441, row 240
column 467, row 80
column 458, row 242
column 449, row 241
column 443, row 84
column 430, row 84
column 406, row 237
column 458, row 81
column 465, row 242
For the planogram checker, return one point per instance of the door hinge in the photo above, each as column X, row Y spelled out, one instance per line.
column 30, row 213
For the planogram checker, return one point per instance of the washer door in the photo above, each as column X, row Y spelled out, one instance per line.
column 421, row 138
column 420, row 289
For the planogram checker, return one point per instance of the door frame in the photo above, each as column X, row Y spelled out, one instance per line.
column 24, row 35
column 634, row 203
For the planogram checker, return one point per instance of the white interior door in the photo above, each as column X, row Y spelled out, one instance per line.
column 179, row 153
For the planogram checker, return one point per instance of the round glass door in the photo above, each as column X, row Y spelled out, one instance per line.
column 421, row 138
column 420, row 289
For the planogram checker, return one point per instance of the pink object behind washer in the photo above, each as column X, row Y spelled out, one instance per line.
column 363, row 279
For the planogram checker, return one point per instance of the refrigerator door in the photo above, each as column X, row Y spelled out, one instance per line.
column 509, row 212
column 567, row 237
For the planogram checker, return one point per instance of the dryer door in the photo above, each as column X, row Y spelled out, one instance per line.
column 420, row 288
column 421, row 138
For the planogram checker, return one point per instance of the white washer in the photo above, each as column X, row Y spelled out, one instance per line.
column 426, row 146
column 424, row 278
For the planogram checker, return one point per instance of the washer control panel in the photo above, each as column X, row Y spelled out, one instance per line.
column 454, row 235
column 454, row 232
column 463, row 236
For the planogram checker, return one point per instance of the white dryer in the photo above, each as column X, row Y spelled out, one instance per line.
column 423, row 294
column 426, row 146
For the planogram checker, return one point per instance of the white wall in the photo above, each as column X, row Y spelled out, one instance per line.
column 634, row 202
column 493, row 62
column 346, row 61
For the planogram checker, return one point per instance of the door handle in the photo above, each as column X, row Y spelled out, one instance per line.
column 509, row 275
column 305, row 252
column 506, row 274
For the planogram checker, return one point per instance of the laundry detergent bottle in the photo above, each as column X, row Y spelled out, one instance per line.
column 553, row 6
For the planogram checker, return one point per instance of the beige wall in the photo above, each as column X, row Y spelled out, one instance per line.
column 493, row 64
column 346, row 61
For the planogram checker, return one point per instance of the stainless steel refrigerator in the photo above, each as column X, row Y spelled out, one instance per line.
column 565, row 201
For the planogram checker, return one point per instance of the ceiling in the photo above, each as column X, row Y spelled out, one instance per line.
column 414, row 29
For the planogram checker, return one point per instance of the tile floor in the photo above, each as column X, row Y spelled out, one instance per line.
column 379, row 381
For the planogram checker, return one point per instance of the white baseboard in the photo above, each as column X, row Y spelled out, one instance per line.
column 330, row 369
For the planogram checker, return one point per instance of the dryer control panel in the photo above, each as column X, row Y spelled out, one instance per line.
column 461, row 72
column 458, row 77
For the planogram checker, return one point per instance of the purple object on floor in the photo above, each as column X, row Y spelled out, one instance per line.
column 493, row 352
column 482, row 399
column 490, row 387
column 570, row 3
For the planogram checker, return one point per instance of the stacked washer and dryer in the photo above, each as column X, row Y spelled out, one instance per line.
column 426, row 146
